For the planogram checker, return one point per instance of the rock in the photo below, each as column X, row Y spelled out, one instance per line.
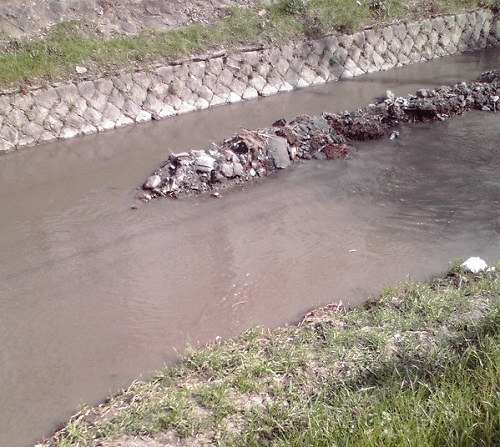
column 422, row 93
column 253, row 154
column 238, row 170
column 277, row 151
column 227, row 170
column 204, row 163
column 475, row 265
column 387, row 96
column 217, row 177
column 80, row 70
column 489, row 76
column 319, row 155
column 152, row 182
column 280, row 123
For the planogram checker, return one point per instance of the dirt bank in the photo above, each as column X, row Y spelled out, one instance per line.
column 112, row 17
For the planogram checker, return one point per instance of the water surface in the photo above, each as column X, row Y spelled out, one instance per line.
column 94, row 294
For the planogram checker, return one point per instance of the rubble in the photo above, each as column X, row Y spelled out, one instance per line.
column 251, row 155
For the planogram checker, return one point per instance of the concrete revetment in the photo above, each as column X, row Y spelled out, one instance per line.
column 80, row 108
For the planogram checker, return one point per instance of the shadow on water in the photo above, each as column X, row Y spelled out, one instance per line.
column 92, row 294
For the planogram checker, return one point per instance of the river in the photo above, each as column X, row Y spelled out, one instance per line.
column 93, row 294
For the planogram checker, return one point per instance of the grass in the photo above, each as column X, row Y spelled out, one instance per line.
column 418, row 365
column 54, row 57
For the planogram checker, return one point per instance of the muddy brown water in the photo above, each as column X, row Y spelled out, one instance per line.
column 94, row 294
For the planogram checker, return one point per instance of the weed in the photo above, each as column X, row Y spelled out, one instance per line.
column 292, row 7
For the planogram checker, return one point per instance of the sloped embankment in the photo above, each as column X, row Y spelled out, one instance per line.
column 419, row 365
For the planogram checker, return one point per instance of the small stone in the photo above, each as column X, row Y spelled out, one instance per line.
column 204, row 163
column 152, row 182
column 238, row 170
column 387, row 96
column 146, row 197
column 277, row 149
column 218, row 177
column 280, row 123
column 227, row 170
column 80, row 70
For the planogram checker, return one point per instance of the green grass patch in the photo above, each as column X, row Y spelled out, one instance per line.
column 418, row 365
column 77, row 43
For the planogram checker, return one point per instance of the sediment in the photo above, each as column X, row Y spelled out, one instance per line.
column 85, row 106
column 250, row 155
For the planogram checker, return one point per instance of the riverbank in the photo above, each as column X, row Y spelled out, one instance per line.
column 417, row 365
column 43, row 42
column 75, row 82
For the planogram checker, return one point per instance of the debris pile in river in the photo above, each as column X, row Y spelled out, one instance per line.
column 250, row 155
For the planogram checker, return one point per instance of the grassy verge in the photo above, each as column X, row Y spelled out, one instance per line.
column 55, row 56
column 417, row 366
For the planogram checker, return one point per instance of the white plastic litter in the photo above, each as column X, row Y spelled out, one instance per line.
column 476, row 265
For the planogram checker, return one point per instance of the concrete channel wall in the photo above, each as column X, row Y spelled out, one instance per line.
column 80, row 108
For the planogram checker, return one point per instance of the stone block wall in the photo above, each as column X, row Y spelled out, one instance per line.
column 66, row 111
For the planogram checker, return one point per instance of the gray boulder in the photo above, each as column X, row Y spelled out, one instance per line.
column 153, row 182
column 204, row 163
column 277, row 151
